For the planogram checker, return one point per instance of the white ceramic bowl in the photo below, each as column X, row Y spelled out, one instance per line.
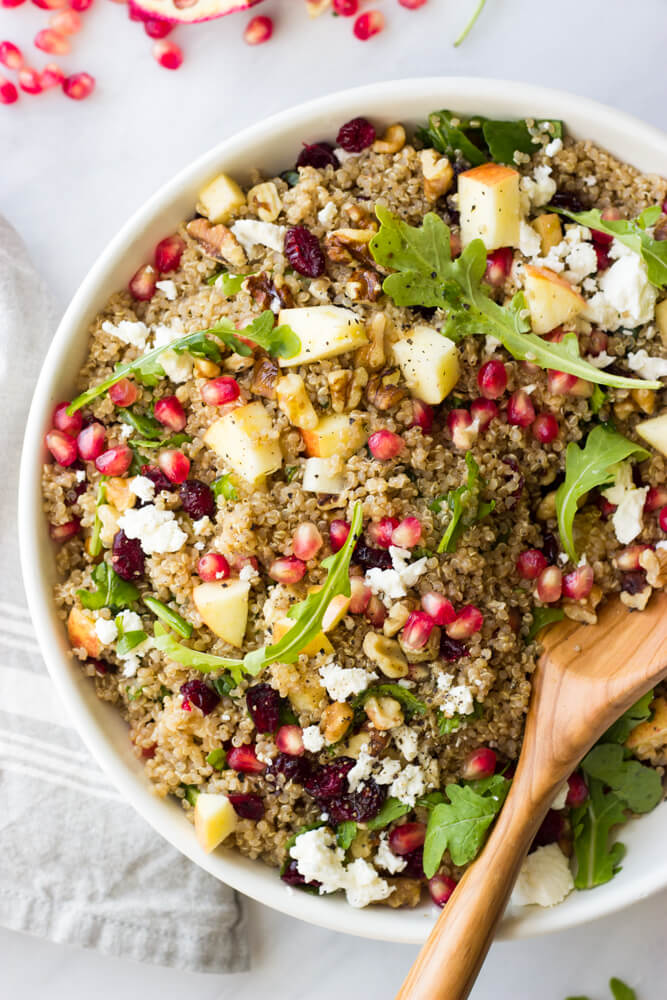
column 272, row 145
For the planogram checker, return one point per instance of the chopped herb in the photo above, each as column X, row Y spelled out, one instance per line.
column 224, row 487
column 478, row 139
column 638, row 713
column 465, row 506
column 133, row 694
column 168, row 616
column 457, row 721
column 461, row 824
column 291, row 177
column 223, row 685
column 345, row 833
column 206, row 662
column 597, row 861
column 174, row 441
column 128, row 641
column 290, row 472
column 598, row 399
column 230, row 284
column 543, row 617
column 191, row 793
column 410, row 704
column 112, row 592
column 95, row 537
column 638, row 786
column 164, row 693
column 392, row 809
column 217, row 759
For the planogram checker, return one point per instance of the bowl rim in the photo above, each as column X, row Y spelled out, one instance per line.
column 251, row 877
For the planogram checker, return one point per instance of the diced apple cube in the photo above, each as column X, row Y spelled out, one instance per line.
column 294, row 401
column 215, row 819
column 336, row 611
column 338, row 435
column 119, row 493
column 489, row 206
column 318, row 644
column 223, row 606
column 81, row 632
column 220, row 199
column 324, row 332
column 245, row 439
column 323, row 475
column 429, row 363
column 552, row 300
column 661, row 320
column 549, row 229
column 654, row 432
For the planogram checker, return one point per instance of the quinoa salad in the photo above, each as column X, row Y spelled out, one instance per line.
column 340, row 452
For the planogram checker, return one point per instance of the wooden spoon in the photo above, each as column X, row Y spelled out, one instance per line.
column 587, row 676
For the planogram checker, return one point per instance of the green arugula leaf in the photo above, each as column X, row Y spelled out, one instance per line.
column 147, row 427
column 280, row 341
column 465, row 506
column 127, row 641
column 230, row 284
column 638, row 713
column 478, row 139
column 147, row 370
column 621, row 990
column 223, row 684
column 637, row 785
column 345, row 833
column 174, row 441
column 168, row 616
column 458, row 721
column 224, row 487
column 586, row 468
column 392, row 809
column 461, row 824
column 95, row 537
column 425, row 275
column 504, row 139
column 598, row 399
column 217, row 759
column 112, row 592
column 632, row 233
column 290, row 472
column 410, row 704
column 205, row 662
column 543, row 617
column 597, row 861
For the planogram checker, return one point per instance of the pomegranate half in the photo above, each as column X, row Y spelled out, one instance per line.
column 189, row 11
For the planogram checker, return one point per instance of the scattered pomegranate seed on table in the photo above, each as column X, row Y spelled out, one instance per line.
column 11, row 56
column 51, row 76
column 157, row 27
column 52, row 42
column 49, row 4
column 346, row 8
column 11, row 3
column 367, row 25
column 67, row 22
column 79, row 86
column 29, row 80
column 168, row 55
column 258, row 30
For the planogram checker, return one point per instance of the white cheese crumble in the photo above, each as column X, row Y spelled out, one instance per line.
column 168, row 287
column 319, row 859
column 553, row 147
column 545, row 878
column 326, row 215
column 142, row 487
column 313, row 740
column 249, row 233
column 129, row 331
column 386, row 859
column 406, row 741
column 125, row 431
column 626, row 296
column 409, row 785
column 248, row 573
column 157, row 530
column 106, row 631
column 341, row 683
column 601, row 360
column 80, row 475
column 538, row 189
column 202, row 525
column 394, row 583
column 647, row 366
column 362, row 769
column 459, row 698
column 342, row 155
column 177, row 367
column 629, row 500
column 529, row 240
column 560, row 800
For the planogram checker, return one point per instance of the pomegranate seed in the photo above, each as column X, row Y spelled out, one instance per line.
column 412, row 4
column 480, row 763
column 167, row 54
column 438, row 607
column 662, row 519
column 440, row 887
column 356, row 135
column 597, row 342
column 603, row 259
column 49, row 4
column 577, row 791
column 289, row 569
column 123, row 393
column 498, row 266
column 303, row 250
column 157, row 27
column 530, row 564
column 422, row 415
column 79, row 86
column 61, row 532
column 66, row 22
column 11, row 55
column 492, row 379
column 483, row 411
column 338, row 532
column 407, row 534
column 578, row 584
column 360, row 595
column 8, row 92
column 564, row 384
column 520, row 409
column 237, row 562
column 90, row 441
column 142, row 283
column 545, row 428
column 289, row 740
column 407, row 837
column 258, row 30
column 468, row 621
column 213, row 566
column 417, row 630
column 463, row 428
column 367, row 25
column 170, row 413
column 245, row 759
column 29, row 80
column 375, row 611
column 115, row 461
column 606, row 509
column 385, row 445
column 346, row 8
column 62, row 447
column 51, row 76
column 307, row 541
column 63, row 422
column 549, row 585
column 11, row 3
column 248, row 805
column 601, row 239
column 80, row 5
column 174, row 464
column 220, row 391
column 52, row 41
column 627, row 559
column 380, row 532
column 655, row 498
column 168, row 253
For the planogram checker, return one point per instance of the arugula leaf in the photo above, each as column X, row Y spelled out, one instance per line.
column 147, row 370
column 170, row 617
column 174, row 441
column 457, row 721
column 276, row 340
column 621, row 990
column 597, row 861
column 345, row 833
column 290, row 472
column 425, row 275
column 112, row 592
column 598, row 399
column 231, row 284
column 543, row 617
column 632, row 233
column 411, row 705
column 504, row 139
column 127, row 641
column 392, row 809
column 460, row 825
column 205, row 662
column 224, row 487
column 639, row 786
column 217, row 759
column 635, row 715
column 463, row 498
column 95, row 537
column 223, row 685
column 478, row 139
column 586, row 468
column 145, row 425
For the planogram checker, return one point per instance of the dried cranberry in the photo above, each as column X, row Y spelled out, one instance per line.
column 318, row 155
column 368, row 557
column 303, row 250
column 200, row 695
column 633, row 583
column 292, row 768
column 356, row 135
column 451, row 649
column 197, row 499
column 551, row 831
column 127, row 557
column 550, row 548
column 414, row 867
column 263, row 703
column 158, row 478
column 292, row 876
column 102, row 667
column 360, row 805
column 567, row 200
column 329, row 781
column 72, row 495
column 248, row 806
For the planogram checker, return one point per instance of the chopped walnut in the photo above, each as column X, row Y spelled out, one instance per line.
column 361, row 217
column 383, row 390
column 648, row 741
column 407, row 892
column 645, row 399
column 584, row 610
column 267, row 294
column 438, row 174
column 655, row 564
column 346, row 387
column 264, row 377
column 397, row 616
column 265, row 200
column 217, row 242
column 345, row 246
column 372, row 354
column 638, row 601
column 363, row 285
column 392, row 141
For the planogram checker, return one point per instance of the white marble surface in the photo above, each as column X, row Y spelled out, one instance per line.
column 71, row 173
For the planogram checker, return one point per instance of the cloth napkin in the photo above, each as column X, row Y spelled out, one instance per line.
column 77, row 865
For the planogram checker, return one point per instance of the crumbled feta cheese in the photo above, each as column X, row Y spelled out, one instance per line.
column 529, row 240
column 202, row 525
column 589, row 285
column 409, row 785
column 129, row 331
column 130, row 621
column 177, row 367
column 125, row 431
column 362, row 769
column 319, row 859
column 601, row 360
column 168, row 287
column 249, row 233
column 553, row 147
column 406, row 741
column 538, row 189
column 341, row 682
column 626, row 296
column 491, row 344
column 248, row 573
column 326, row 215
column 647, row 366
column 560, row 800
column 581, row 261
column 313, row 740
column 142, row 487
column 529, row 388
column 106, row 631
column 80, row 475
column 459, row 698
column 157, row 530
column 386, row 859
column 395, row 582
column 590, row 181
column 364, row 885
column 545, row 878
column 629, row 500
column 342, row 155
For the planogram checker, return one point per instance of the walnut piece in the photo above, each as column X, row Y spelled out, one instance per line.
column 392, row 141
column 267, row 294
column 384, row 391
column 346, row 387
column 372, row 354
column 655, row 564
column 638, row 601
column 438, row 174
column 584, row 610
column 648, row 741
column 345, row 246
column 217, row 242
column 264, row 377
column 363, row 285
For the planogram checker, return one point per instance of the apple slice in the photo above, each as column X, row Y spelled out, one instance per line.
column 244, row 439
column 223, row 606
column 318, row 644
column 189, row 11
column 215, row 819
column 552, row 300
column 220, row 199
column 489, row 206
column 324, row 332
column 661, row 320
column 429, row 363
column 81, row 632
column 338, row 435
column 654, row 432
column 323, row 475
